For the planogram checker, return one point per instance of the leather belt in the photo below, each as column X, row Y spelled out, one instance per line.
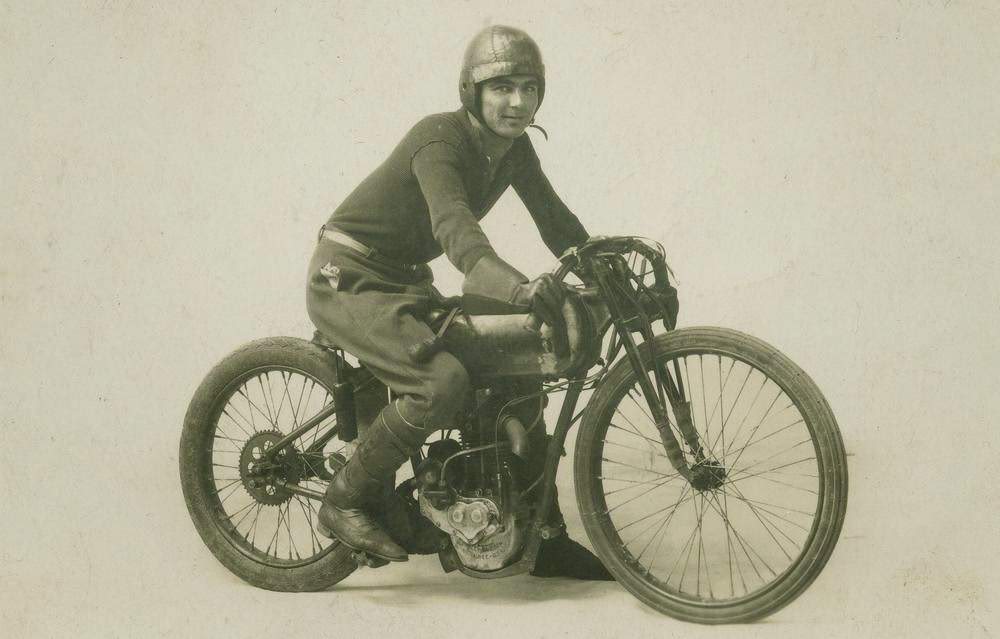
column 343, row 239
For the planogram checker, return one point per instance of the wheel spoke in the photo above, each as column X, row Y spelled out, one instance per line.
column 719, row 403
column 636, row 484
column 663, row 534
column 219, row 490
column 679, row 501
column 645, row 529
column 776, row 481
column 725, row 418
column 688, row 544
column 729, row 547
column 756, row 441
column 313, row 462
column 663, row 527
column 252, row 406
column 704, row 400
column 736, row 401
column 703, row 554
column 320, row 428
column 224, row 437
column 629, row 481
column 308, row 514
column 298, row 402
column 281, row 400
column 744, row 546
column 231, row 493
column 252, row 532
column 644, row 452
column 274, row 538
column 764, row 525
column 312, row 387
column 645, row 470
column 757, row 513
column 646, row 414
column 245, row 510
column 732, row 442
column 761, row 506
column 739, row 471
column 263, row 397
column 291, row 541
column 635, row 434
column 635, row 429
column 645, row 492
column 724, row 514
column 225, row 411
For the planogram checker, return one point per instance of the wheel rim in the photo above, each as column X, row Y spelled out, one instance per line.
column 756, row 514
column 260, row 518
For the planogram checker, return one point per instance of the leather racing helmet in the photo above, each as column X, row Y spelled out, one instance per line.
column 496, row 51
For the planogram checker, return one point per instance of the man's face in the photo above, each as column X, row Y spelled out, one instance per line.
column 508, row 104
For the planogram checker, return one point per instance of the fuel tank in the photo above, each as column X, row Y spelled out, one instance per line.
column 492, row 346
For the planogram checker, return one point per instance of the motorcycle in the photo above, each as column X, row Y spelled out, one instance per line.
column 709, row 470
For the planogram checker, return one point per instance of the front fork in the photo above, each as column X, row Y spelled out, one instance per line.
column 664, row 391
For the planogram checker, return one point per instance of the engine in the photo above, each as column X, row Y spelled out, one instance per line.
column 470, row 489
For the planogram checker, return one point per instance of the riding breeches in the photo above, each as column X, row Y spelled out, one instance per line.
column 376, row 312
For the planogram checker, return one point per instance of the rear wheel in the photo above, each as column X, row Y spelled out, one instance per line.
column 766, row 503
column 243, row 509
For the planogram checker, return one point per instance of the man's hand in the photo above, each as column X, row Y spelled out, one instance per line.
column 545, row 297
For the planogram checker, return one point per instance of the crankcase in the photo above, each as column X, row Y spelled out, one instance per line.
column 484, row 538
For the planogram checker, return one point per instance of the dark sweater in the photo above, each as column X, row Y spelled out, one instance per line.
column 427, row 198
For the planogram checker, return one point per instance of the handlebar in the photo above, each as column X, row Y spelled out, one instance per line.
column 616, row 245
column 608, row 253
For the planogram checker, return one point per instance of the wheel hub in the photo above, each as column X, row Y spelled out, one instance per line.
column 260, row 477
column 707, row 475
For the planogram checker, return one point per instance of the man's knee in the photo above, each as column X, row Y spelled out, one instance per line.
column 447, row 388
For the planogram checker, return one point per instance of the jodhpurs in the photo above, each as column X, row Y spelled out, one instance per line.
column 376, row 311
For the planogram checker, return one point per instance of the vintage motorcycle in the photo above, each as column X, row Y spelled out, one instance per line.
column 710, row 473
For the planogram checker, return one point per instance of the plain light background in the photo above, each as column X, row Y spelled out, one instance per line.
column 823, row 175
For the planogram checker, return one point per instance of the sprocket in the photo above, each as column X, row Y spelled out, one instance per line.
column 260, row 478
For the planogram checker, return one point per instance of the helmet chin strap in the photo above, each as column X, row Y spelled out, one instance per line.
column 532, row 125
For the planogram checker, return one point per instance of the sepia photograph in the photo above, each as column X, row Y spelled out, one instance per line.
column 512, row 319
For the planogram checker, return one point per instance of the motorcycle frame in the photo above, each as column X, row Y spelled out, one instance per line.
column 608, row 268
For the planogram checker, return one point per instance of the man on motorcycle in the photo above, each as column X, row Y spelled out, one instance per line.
column 370, row 287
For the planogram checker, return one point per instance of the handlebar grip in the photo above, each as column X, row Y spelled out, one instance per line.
column 656, row 261
column 660, row 273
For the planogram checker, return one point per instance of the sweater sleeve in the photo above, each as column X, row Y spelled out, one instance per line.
column 436, row 166
column 559, row 228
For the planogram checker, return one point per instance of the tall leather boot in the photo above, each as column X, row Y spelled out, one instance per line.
column 379, row 454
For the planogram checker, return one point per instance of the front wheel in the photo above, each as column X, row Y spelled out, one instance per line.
column 763, row 516
column 243, row 509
